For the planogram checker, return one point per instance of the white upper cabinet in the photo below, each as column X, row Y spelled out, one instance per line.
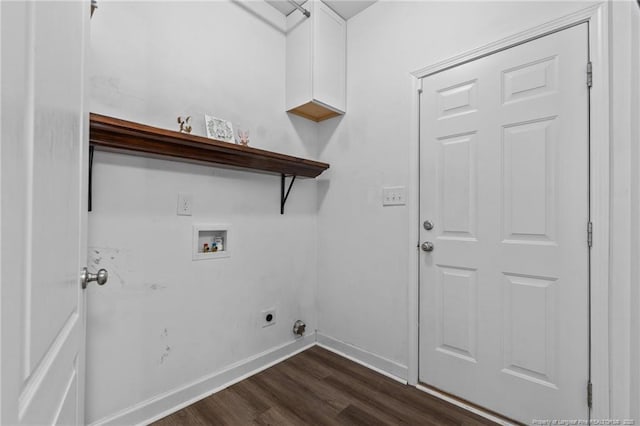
column 316, row 63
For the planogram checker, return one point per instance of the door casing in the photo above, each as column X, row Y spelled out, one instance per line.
column 597, row 17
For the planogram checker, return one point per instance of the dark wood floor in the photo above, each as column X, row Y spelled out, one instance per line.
column 318, row 387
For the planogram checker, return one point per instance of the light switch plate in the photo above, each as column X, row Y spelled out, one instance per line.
column 184, row 204
column 394, row 196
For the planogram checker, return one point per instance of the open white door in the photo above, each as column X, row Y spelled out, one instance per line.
column 43, row 216
column 505, row 185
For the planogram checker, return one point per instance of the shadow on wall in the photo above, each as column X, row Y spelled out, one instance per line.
column 315, row 145
column 152, row 163
column 323, row 188
column 278, row 26
column 326, row 130
column 322, row 133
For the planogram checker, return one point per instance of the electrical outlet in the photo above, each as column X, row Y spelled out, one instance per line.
column 184, row 204
column 394, row 196
column 268, row 317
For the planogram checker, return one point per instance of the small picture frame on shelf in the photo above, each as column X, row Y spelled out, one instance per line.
column 219, row 129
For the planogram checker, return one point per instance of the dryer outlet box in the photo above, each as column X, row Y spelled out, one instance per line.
column 268, row 317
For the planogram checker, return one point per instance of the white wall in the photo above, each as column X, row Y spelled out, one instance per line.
column 164, row 321
column 364, row 248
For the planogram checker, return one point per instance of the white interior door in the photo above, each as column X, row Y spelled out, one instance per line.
column 43, row 215
column 504, row 179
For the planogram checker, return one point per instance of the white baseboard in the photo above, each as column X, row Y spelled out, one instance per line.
column 169, row 402
column 462, row 405
column 370, row 360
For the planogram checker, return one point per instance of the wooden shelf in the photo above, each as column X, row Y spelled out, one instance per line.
column 315, row 112
column 114, row 134
column 110, row 133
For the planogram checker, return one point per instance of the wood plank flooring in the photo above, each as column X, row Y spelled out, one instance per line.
column 318, row 387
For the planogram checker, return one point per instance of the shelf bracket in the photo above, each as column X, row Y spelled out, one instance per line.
column 283, row 195
column 89, row 201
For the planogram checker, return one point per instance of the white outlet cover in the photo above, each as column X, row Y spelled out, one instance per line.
column 266, row 323
column 184, row 204
column 394, row 196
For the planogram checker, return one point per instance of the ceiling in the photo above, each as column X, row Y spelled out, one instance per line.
column 344, row 8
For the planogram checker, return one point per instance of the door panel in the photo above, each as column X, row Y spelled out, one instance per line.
column 529, row 327
column 529, row 182
column 504, row 178
column 458, row 316
column 457, row 184
column 43, row 174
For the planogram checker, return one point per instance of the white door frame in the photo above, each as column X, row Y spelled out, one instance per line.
column 597, row 18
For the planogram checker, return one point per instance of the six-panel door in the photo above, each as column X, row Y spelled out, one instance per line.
column 504, row 179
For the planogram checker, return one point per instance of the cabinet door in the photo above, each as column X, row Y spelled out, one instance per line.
column 329, row 60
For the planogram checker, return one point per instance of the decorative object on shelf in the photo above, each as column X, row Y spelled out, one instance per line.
column 205, row 248
column 219, row 129
column 243, row 136
column 185, row 125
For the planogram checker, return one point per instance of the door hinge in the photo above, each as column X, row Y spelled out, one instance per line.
column 589, row 74
column 589, row 394
column 590, row 234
